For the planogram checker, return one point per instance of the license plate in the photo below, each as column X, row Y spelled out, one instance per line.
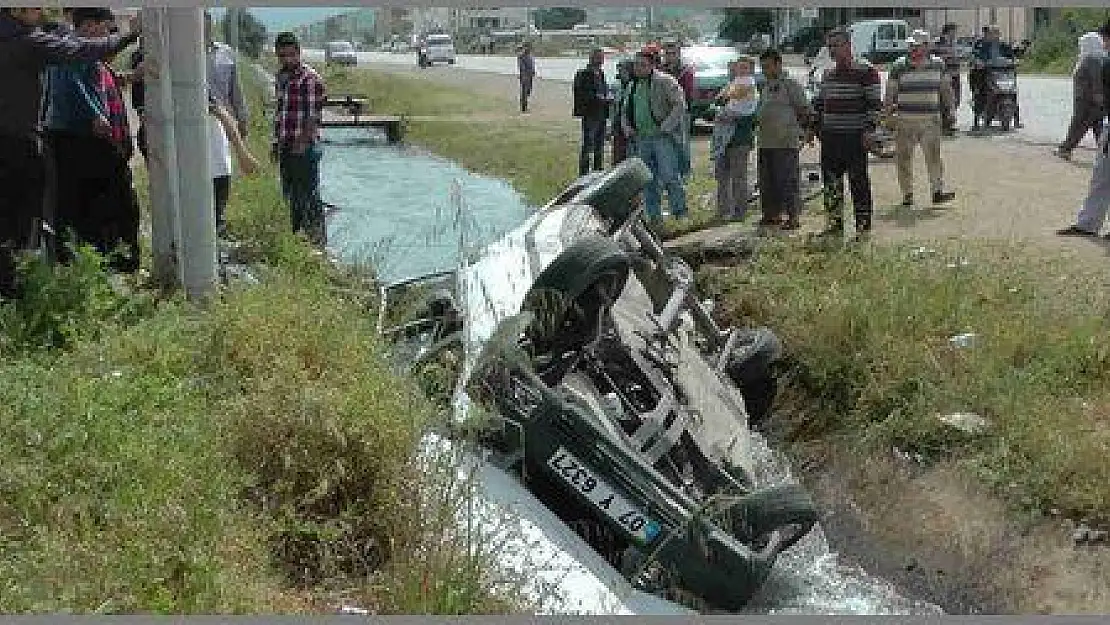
column 574, row 473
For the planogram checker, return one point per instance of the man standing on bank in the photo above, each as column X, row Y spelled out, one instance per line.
column 591, row 104
column 846, row 111
column 918, row 90
column 784, row 112
column 296, row 145
column 526, row 72
column 223, row 86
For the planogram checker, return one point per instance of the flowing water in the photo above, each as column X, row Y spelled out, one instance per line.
column 408, row 213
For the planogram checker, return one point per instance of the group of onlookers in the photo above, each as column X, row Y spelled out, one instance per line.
column 770, row 114
column 26, row 170
column 66, row 139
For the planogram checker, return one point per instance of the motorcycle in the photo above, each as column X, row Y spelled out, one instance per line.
column 998, row 94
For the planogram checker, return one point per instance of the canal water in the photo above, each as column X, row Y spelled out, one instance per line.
column 411, row 213
column 406, row 212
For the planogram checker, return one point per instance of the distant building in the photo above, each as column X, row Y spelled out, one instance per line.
column 1016, row 23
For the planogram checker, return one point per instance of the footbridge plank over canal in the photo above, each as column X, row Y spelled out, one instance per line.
column 349, row 111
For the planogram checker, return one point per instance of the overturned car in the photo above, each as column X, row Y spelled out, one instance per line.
column 609, row 391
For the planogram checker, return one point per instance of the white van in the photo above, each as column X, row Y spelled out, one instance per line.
column 879, row 41
column 437, row 48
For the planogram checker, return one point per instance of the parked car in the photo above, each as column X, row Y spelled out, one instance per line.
column 436, row 48
column 340, row 53
column 710, row 76
column 600, row 382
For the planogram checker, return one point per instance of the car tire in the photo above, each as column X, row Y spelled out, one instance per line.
column 614, row 195
column 751, row 368
column 758, row 515
column 569, row 295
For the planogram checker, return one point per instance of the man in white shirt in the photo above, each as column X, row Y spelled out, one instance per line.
column 223, row 87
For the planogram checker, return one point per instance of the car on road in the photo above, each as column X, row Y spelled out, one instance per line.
column 340, row 53
column 436, row 48
column 588, row 370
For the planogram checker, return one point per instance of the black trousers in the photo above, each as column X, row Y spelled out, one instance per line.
column 593, row 144
column 845, row 154
column 95, row 200
column 221, row 190
column 22, row 188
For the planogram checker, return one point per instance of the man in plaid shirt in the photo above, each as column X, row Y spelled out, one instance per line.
column 296, row 144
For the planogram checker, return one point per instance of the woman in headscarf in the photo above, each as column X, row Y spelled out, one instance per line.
column 1089, row 104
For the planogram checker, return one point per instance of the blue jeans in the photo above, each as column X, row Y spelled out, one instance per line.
column 300, row 184
column 662, row 156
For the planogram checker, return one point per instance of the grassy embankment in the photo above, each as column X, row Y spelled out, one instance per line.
column 252, row 454
column 871, row 366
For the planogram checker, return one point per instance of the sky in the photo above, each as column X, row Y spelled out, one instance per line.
column 286, row 18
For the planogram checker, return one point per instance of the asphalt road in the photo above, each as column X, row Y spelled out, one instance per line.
column 1045, row 101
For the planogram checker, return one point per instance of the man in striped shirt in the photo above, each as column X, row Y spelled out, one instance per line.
column 919, row 91
column 300, row 104
column 846, row 111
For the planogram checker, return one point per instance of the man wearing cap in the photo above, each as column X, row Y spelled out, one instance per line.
column 917, row 89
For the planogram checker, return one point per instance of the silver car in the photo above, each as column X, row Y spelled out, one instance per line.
column 340, row 53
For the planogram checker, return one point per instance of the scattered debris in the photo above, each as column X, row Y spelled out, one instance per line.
column 965, row 340
column 962, row 262
column 966, row 422
column 922, row 251
column 907, row 457
column 1084, row 535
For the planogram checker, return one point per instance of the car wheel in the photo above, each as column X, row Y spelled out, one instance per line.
column 750, row 367
column 614, row 194
column 569, row 296
column 783, row 514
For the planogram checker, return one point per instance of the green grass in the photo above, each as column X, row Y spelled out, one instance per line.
column 867, row 333
column 253, row 454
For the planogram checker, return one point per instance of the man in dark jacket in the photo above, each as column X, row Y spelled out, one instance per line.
column 25, row 51
column 591, row 103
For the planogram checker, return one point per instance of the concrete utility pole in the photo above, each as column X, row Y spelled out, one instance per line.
column 163, row 156
column 183, row 220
